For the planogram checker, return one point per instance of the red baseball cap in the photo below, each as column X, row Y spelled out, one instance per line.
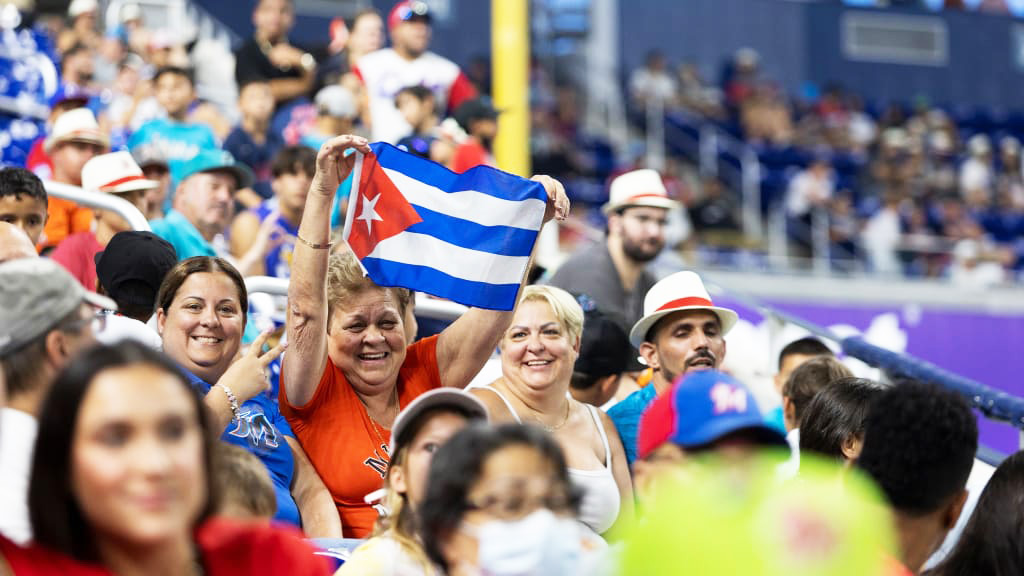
column 407, row 10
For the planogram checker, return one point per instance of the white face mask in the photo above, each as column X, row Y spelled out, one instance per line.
column 541, row 544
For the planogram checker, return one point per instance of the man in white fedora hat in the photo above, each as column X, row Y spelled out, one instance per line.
column 115, row 173
column 614, row 272
column 76, row 137
column 681, row 331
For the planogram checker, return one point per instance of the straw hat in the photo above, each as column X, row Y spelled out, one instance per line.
column 679, row 291
column 638, row 188
column 115, row 173
column 77, row 125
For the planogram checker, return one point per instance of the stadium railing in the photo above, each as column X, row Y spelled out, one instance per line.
column 99, row 200
column 991, row 403
column 425, row 307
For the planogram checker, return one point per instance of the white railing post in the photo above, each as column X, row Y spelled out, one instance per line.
column 750, row 167
column 708, row 151
column 777, row 244
column 819, row 241
column 655, row 108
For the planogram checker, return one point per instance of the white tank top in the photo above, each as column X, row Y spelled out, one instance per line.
column 601, row 499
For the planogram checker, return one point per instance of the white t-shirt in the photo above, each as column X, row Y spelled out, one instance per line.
column 384, row 73
column 17, row 441
column 119, row 328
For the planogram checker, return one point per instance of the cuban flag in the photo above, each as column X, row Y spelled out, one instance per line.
column 465, row 237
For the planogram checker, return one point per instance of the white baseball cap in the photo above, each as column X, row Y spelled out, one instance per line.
column 680, row 291
column 453, row 398
column 79, row 7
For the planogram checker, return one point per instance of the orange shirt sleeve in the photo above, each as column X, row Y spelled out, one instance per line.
column 64, row 218
column 81, row 219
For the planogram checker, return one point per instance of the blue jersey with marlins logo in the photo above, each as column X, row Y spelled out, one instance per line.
column 261, row 430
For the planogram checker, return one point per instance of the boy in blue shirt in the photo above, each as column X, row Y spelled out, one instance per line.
column 174, row 137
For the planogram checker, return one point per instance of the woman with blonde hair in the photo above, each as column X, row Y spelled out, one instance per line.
column 350, row 368
column 538, row 352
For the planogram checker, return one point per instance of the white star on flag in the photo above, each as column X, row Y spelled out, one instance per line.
column 369, row 214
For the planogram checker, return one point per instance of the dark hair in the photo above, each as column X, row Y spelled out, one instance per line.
column 419, row 92
column 58, row 522
column 919, row 445
column 177, row 276
column 837, row 413
column 21, row 366
column 185, row 73
column 243, row 479
column 810, row 377
column 456, row 468
column 292, row 159
column 18, row 181
column 804, row 347
column 73, row 50
column 991, row 542
column 250, row 81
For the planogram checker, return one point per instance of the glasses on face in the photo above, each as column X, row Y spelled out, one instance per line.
column 96, row 320
column 519, row 499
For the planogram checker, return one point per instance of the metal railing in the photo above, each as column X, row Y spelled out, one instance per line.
column 425, row 307
column 991, row 403
column 100, row 201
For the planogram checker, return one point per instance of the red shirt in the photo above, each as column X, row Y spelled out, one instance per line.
column 347, row 448
column 38, row 561
column 469, row 155
column 228, row 548
column 77, row 254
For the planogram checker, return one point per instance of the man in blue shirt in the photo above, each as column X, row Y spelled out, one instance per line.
column 681, row 331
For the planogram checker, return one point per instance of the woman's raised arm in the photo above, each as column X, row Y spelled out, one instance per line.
column 307, row 289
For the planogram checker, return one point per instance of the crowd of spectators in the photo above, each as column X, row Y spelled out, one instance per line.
column 147, row 426
column 912, row 189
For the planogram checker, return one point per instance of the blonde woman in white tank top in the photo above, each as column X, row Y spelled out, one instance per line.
column 538, row 352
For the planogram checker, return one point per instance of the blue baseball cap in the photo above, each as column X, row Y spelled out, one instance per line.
column 70, row 92
column 701, row 408
column 217, row 160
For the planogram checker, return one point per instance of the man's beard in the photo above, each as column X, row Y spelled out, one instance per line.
column 640, row 251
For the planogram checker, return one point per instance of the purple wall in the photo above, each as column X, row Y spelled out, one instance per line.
column 979, row 346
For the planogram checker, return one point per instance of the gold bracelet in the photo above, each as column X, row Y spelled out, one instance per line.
column 315, row 246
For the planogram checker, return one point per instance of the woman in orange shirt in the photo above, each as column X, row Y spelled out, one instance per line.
column 348, row 370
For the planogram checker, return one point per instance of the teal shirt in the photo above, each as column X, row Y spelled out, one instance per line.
column 178, row 142
column 626, row 417
column 185, row 238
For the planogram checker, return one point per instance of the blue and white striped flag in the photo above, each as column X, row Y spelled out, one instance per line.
column 465, row 237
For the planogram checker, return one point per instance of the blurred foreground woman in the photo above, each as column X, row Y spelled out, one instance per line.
column 499, row 501
column 121, row 476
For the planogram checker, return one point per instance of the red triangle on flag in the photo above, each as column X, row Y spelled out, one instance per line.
column 381, row 210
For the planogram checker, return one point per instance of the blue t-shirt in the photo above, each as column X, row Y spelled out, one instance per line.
column 626, row 417
column 261, row 430
column 259, row 157
column 278, row 262
column 177, row 142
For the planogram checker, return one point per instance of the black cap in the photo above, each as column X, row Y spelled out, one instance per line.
column 133, row 266
column 475, row 109
column 604, row 347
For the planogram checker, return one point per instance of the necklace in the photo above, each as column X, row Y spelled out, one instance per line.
column 378, row 430
column 560, row 424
